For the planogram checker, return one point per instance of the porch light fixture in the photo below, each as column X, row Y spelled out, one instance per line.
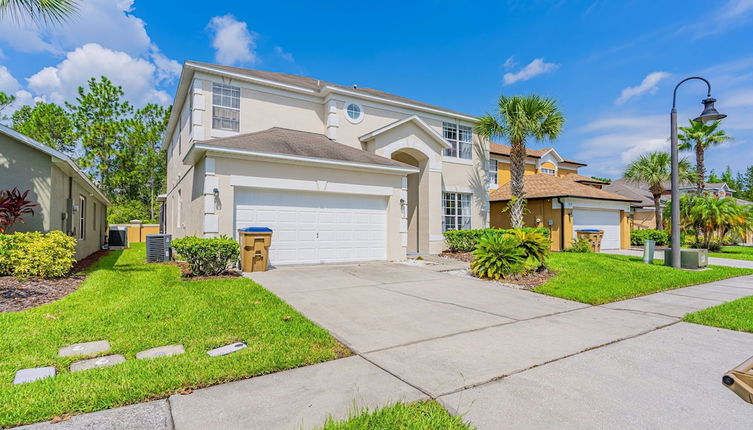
column 709, row 114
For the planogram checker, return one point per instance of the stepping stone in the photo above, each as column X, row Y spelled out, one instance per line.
column 161, row 351
column 30, row 375
column 86, row 348
column 92, row 363
column 227, row 349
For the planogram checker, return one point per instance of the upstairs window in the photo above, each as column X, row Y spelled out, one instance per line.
column 491, row 174
column 226, row 107
column 459, row 137
column 548, row 171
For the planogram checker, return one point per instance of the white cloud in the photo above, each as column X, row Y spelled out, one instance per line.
column 11, row 86
column 232, row 41
column 532, row 69
column 510, row 63
column 137, row 76
column 650, row 85
column 732, row 14
column 8, row 84
column 284, row 55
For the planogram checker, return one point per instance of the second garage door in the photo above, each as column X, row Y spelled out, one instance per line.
column 313, row 228
column 607, row 220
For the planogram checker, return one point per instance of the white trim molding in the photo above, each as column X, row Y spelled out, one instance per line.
column 413, row 118
column 308, row 185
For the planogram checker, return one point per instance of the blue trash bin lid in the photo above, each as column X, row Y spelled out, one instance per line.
column 589, row 230
column 256, row 229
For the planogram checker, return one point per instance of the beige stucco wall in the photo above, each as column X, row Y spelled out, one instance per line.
column 27, row 169
column 643, row 220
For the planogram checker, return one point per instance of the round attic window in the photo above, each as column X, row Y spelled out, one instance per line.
column 354, row 112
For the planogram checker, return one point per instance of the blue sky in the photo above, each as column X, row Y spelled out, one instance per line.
column 610, row 64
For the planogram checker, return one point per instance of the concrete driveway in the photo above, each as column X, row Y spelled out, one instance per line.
column 500, row 357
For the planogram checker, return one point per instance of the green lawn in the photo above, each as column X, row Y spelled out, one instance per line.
column 735, row 315
column 428, row 415
column 734, row 252
column 603, row 278
column 136, row 306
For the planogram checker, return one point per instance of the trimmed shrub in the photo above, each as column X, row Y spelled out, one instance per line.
column 639, row 237
column 37, row 255
column 466, row 240
column 208, row 257
column 535, row 246
column 497, row 256
column 579, row 245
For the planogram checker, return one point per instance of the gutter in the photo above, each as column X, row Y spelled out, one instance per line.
column 562, row 223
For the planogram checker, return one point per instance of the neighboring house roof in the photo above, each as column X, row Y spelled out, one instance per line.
column 623, row 188
column 743, row 202
column 301, row 145
column 58, row 158
column 499, row 149
column 319, row 85
column 584, row 179
column 542, row 186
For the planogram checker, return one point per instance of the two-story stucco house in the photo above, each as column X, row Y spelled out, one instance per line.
column 559, row 198
column 339, row 173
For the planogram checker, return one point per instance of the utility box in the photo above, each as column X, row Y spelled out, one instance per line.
column 689, row 258
column 740, row 380
column 158, row 248
column 255, row 243
column 593, row 236
column 118, row 236
column 648, row 251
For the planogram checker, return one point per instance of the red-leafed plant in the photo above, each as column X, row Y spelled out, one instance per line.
column 13, row 205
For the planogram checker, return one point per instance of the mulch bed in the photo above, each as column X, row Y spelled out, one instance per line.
column 525, row 282
column 188, row 275
column 19, row 294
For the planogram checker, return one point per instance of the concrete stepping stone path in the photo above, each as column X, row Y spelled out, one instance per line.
column 161, row 351
column 227, row 349
column 86, row 348
column 92, row 363
column 35, row 373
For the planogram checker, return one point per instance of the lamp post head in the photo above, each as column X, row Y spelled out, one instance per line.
column 709, row 111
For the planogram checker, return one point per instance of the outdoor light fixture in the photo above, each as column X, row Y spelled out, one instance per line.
column 709, row 114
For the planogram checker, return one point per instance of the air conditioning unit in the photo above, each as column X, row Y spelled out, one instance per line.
column 158, row 248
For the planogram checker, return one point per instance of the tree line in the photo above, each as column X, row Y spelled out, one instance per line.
column 117, row 145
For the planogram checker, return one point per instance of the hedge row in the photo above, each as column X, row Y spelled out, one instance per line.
column 36, row 255
column 466, row 240
column 210, row 256
column 638, row 237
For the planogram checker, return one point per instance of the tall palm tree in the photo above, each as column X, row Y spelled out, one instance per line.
column 655, row 169
column 517, row 119
column 38, row 11
column 700, row 136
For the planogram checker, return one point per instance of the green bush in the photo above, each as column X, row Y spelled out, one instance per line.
column 125, row 211
column 579, row 245
column 497, row 256
column 208, row 257
column 536, row 247
column 639, row 237
column 37, row 255
column 466, row 240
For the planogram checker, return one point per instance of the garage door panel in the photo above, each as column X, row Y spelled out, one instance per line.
column 607, row 220
column 316, row 228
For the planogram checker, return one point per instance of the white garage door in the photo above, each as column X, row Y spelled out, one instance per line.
column 313, row 228
column 607, row 220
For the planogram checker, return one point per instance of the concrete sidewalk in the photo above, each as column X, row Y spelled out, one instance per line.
column 659, row 255
column 504, row 358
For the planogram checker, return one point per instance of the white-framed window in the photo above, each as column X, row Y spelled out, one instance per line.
column 491, row 174
column 548, row 171
column 179, row 210
column 226, row 107
column 456, row 211
column 82, row 217
column 354, row 112
column 459, row 137
column 94, row 216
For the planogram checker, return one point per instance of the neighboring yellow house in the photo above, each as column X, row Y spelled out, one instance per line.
column 558, row 198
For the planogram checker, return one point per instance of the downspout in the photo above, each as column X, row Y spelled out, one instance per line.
column 562, row 224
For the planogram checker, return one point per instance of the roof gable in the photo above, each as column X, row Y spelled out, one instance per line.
column 542, row 186
column 411, row 119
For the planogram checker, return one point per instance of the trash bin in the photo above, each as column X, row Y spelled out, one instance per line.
column 255, row 242
column 593, row 236
column 740, row 380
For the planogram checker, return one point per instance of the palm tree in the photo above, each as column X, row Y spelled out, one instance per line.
column 38, row 11
column 701, row 137
column 655, row 169
column 517, row 119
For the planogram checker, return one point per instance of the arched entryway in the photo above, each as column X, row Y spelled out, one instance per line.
column 415, row 201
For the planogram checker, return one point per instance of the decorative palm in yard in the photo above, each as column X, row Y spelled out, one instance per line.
column 701, row 136
column 655, row 169
column 38, row 11
column 517, row 119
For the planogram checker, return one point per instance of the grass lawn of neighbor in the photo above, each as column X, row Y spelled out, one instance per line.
column 734, row 315
column 137, row 306
column 602, row 278
column 734, row 252
column 428, row 415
